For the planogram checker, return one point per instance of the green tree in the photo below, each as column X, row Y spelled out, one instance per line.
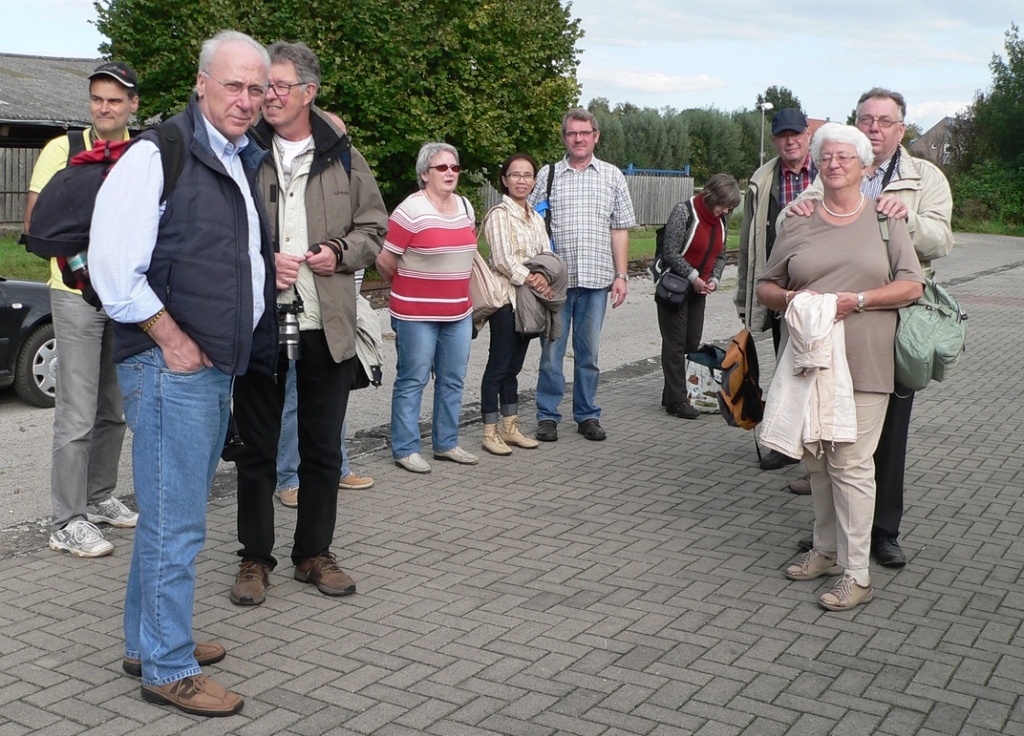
column 714, row 144
column 488, row 76
column 780, row 97
column 987, row 148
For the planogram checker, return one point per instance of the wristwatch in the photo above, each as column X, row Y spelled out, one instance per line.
column 622, row 276
column 860, row 301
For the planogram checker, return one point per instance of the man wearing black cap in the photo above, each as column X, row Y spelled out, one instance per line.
column 88, row 423
column 773, row 186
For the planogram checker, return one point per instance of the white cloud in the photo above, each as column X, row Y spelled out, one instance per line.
column 646, row 82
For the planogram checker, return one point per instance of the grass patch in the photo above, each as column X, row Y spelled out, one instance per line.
column 17, row 263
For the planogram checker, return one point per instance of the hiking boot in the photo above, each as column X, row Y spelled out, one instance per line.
column 846, row 595
column 509, row 431
column 775, row 460
column 198, row 695
column 813, row 565
column 592, row 430
column 113, row 512
column 493, row 443
column 251, row 583
column 547, row 431
column 801, row 486
column 355, row 482
column 323, row 571
column 888, row 552
column 207, row 652
column 82, row 539
column 457, row 455
column 683, row 410
column 289, row 497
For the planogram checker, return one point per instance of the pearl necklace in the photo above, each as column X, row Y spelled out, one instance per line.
column 845, row 214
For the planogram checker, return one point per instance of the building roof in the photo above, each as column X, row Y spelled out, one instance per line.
column 45, row 89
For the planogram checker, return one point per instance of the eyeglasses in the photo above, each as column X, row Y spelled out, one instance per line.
column 283, row 90
column 236, row 88
column 444, row 167
column 579, row 133
column 520, row 175
column 843, row 159
column 865, row 121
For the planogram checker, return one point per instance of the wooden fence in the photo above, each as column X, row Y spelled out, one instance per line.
column 653, row 195
column 16, row 166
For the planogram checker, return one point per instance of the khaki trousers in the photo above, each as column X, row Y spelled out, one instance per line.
column 843, row 487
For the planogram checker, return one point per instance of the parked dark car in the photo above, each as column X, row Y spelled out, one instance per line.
column 28, row 354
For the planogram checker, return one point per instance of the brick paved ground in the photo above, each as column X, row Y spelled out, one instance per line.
column 625, row 587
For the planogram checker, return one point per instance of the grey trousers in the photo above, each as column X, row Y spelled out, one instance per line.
column 88, row 421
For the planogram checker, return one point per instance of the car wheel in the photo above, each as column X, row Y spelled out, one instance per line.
column 35, row 374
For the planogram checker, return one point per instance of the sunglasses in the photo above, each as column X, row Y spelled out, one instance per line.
column 444, row 167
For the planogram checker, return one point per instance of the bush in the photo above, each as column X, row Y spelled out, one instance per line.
column 988, row 192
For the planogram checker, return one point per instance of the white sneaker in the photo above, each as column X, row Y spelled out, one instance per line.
column 414, row 463
column 81, row 539
column 115, row 513
column 457, row 455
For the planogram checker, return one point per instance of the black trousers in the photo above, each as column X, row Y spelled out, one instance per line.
column 322, row 387
column 890, row 463
column 504, row 362
column 681, row 332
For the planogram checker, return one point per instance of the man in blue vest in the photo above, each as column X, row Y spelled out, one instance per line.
column 189, row 283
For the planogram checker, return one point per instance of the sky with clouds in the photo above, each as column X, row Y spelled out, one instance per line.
column 719, row 53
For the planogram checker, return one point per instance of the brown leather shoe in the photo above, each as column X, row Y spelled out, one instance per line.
column 251, row 583
column 198, row 695
column 801, row 486
column 323, row 571
column 355, row 482
column 207, row 652
column 289, row 497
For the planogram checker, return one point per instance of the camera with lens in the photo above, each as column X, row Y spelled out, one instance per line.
column 288, row 327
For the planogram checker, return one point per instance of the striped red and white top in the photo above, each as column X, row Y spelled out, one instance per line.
column 435, row 258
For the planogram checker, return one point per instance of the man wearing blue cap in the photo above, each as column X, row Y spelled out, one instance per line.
column 773, row 186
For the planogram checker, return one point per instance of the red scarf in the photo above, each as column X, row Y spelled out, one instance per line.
column 708, row 235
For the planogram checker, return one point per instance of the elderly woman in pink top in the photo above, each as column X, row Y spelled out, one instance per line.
column 428, row 256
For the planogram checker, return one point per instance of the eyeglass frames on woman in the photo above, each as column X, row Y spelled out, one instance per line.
column 236, row 88
column 520, row 175
column 444, row 167
column 843, row 159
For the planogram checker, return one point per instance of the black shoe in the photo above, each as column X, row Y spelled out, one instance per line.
column 776, row 460
column 683, row 410
column 592, row 430
column 806, row 544
column 547, row 431
column 888, row 552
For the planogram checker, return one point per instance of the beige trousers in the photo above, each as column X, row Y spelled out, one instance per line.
column 843, row 487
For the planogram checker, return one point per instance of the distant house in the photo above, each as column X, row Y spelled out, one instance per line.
column 41, row 97
column 934, row 145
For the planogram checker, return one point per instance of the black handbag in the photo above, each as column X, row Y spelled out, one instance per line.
column 671, row 291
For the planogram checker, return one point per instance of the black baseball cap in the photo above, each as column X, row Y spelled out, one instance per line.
column 118, row 71
column 789, row 119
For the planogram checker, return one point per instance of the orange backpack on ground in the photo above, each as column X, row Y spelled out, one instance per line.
column 739, row 399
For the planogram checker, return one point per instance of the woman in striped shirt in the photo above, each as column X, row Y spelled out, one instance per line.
column 428, row 256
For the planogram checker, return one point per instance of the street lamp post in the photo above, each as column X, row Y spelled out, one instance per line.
column 765, row 106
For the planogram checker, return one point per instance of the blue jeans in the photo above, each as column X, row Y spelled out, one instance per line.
column 584, row 310
column 178, row 422
column 288, row 446
column 443, row 346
